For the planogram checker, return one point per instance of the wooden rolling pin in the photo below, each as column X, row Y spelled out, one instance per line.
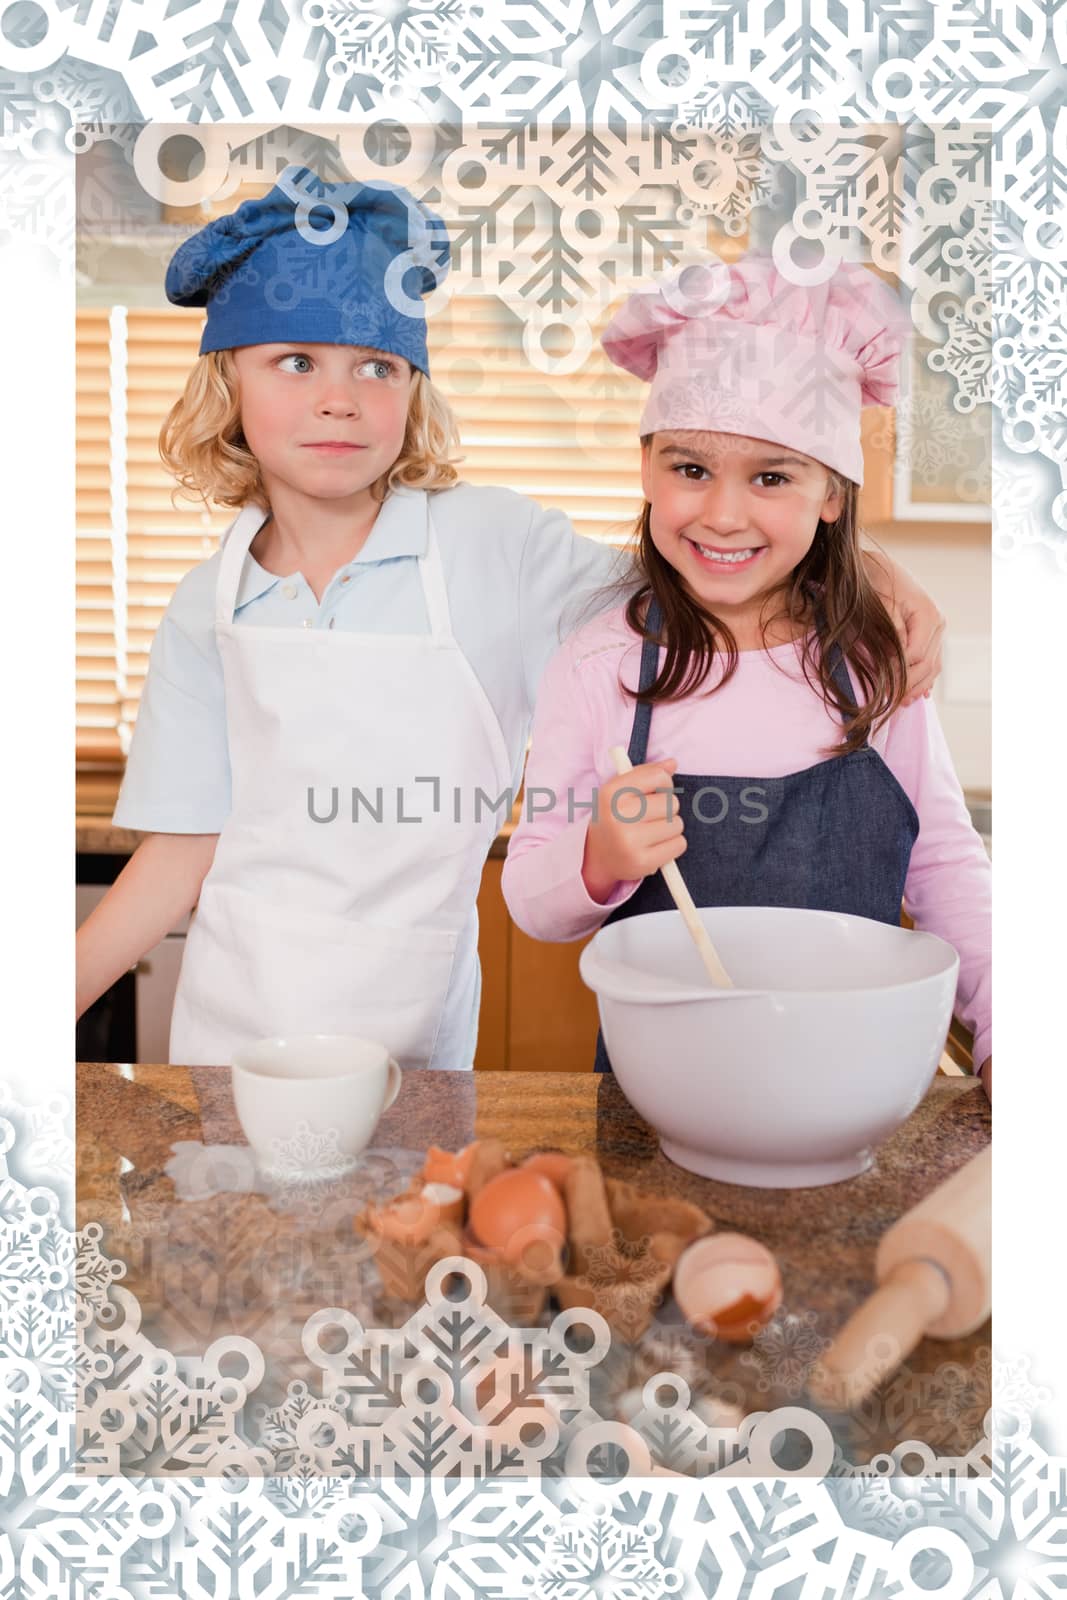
column 934, row 1271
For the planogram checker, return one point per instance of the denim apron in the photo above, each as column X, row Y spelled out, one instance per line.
column 834, row 837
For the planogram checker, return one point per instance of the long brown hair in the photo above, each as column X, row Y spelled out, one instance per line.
column 829, row 594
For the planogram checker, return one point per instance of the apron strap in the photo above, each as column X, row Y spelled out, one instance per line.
column 434, row 588
column 838, row 666
column 235, row 547
column 638, row 748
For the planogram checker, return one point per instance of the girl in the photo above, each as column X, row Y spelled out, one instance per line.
column 337, row 701
column 753, row 644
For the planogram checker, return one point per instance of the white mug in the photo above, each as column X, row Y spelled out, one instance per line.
column 310, row 1103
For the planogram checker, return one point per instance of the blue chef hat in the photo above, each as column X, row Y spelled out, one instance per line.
column 329, row 263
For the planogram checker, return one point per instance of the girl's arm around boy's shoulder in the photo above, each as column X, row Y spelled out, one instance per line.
column 949, row 888
column 572, row 733
column 177, row 777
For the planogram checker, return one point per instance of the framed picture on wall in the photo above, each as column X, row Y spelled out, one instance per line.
column 944, row 420
column 941, row 469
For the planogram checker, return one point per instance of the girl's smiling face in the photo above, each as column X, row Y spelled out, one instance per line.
column 327, row 420
column 733, row 515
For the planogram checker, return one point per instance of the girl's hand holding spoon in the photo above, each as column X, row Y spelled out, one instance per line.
column 633, row 833
column 676, row 886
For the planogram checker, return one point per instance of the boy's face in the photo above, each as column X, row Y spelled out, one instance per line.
column 733, row 515
column 326, row 420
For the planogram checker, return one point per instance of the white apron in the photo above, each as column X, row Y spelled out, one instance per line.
column 342, row 926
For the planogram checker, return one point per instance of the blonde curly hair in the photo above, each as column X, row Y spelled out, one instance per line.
column 202, row 444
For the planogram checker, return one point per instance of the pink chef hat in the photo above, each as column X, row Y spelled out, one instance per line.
column 741, row 349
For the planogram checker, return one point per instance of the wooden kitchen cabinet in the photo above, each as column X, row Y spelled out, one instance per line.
column 877, row 435
column 537, row 1015
column 494, row 952
column 553, row 1017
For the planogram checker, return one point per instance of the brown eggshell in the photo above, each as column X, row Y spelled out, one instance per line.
column 409, row 1219
column 503, row 1212
column 448, row 1199
column 728, row 1285
column 553, row 1164
column 536, row 1252
column 441, row 1166
column 490, row 1158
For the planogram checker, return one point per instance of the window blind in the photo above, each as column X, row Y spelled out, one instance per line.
column 164, row 537
column 97, row 695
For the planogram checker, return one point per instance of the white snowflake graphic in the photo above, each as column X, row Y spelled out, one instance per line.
column 45, row 1134
column 308, row 1157
column 784, row 1352
column 594, row 1557
column 621, row 1260
column 393, row 41
column 1015, row 1398
column 935, row 441
column 967, row 353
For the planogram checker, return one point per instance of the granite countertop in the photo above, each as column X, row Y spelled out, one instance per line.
column 247, row 1263
column 98, row 836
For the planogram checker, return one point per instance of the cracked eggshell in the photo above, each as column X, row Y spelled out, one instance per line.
column 552, row 1164
column 448, row 1200
column 728, row 1285
column 514, row 1210
column 444, row 1166
column 411, row 1218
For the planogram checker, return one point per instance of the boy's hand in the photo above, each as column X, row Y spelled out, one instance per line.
column 917, row 619
column 985, row 1073
column 636, row 829
column 158, row 886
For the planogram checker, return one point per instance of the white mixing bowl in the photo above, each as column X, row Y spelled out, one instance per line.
column 826, row 1044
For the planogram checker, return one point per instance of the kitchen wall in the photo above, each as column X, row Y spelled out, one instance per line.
column 953, row 562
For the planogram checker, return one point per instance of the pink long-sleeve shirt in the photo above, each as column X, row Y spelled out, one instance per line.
column 765, row 723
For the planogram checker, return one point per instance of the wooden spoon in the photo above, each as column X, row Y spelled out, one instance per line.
column 683, row 899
